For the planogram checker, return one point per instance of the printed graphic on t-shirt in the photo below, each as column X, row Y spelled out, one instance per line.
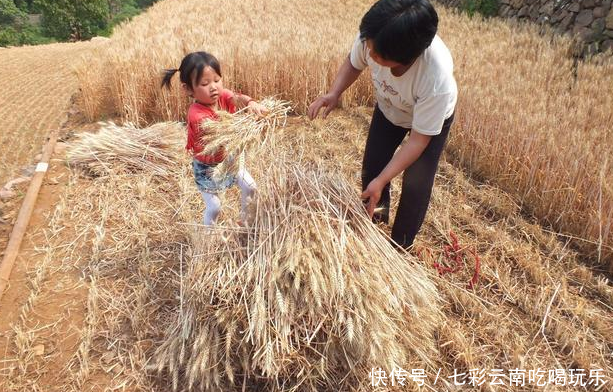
column 386, row 87
column 387, row 100
column 386, row 92
column 406, row 106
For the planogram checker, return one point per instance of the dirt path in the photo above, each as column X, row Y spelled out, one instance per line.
column 42, row 311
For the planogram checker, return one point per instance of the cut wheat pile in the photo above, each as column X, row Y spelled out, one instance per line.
column 129, row 240
column 124, row 149
column 242, row 131
column 311, row 295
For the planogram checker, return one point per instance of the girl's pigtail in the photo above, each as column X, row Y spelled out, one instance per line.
column 168, row 74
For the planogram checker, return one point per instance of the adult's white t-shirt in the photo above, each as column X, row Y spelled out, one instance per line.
column 423, row 97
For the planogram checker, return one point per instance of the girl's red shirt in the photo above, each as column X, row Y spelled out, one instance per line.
column 198, row 113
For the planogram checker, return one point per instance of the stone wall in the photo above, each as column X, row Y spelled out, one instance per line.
column 589, row 20
column 34, row 19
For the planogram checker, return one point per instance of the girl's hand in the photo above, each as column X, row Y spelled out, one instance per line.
column 372, row 194
column 257, row 108
column 330, row 101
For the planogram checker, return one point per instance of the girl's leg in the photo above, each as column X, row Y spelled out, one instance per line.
column 383, row 139
column 417, row 183
column 212, row 208
column 247, row 187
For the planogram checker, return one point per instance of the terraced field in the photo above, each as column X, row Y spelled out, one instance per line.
column 38, row 84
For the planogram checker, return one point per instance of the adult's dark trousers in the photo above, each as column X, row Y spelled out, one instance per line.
column 417, row 180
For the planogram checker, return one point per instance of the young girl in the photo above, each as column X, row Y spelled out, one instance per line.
column 200, row 75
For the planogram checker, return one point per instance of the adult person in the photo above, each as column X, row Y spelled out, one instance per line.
column 416, row 93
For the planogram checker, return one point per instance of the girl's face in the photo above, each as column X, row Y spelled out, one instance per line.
column 208, row 88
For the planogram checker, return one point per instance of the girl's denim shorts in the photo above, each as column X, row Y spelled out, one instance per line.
column 203, row 177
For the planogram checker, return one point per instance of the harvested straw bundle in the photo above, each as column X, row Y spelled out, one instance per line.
column 242, row 131
column 310, row 297
column 125, row 149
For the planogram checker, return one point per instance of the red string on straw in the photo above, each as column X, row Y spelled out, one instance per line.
column 454, row 257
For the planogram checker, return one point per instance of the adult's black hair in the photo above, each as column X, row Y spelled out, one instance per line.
column 400, row 29
column 190, row 70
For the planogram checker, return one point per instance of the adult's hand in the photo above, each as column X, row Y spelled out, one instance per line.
column 329, row 101
column 372, row 195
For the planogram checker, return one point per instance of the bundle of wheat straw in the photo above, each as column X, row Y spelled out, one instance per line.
column 242, row 131
column 127, row 149
column 310, row 297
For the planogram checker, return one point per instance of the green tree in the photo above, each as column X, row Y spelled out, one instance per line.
column 8, row 36
column 23, row 5
column 15, row 29
column 73, row 19
column 124, row 9
column 10, row 14
column 12, row 19
column 486, row 8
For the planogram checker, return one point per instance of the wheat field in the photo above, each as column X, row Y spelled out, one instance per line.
column 38, row 84
column 528, row 119
column 538, row 125
column 292, row 51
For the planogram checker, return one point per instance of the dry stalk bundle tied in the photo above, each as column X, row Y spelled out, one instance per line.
column 126, row 149
column 242, row 131
column 310, row 296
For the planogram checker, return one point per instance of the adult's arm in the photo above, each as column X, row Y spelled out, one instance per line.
column 408, row 153
column 346, row 75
